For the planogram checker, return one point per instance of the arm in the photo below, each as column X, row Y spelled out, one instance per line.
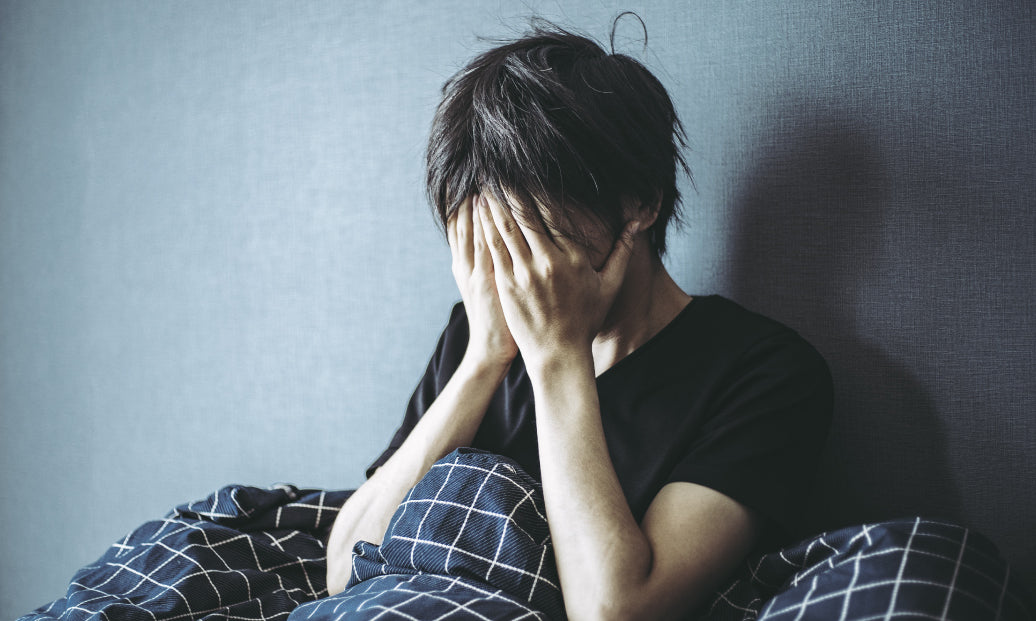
column 450, row 422
column 610, row 566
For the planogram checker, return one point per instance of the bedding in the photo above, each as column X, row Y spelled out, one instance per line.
column 470, row 541
column 900, row 569
column 243, row 553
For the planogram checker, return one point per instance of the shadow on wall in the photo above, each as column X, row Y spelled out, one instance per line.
column 808, row 234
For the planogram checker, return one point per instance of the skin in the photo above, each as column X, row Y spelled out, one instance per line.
column 572, row 312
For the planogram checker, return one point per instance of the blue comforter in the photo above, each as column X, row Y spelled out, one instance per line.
column 470, row 541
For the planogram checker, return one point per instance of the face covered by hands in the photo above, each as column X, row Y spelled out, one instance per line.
column 552, row 296
column 489, row 339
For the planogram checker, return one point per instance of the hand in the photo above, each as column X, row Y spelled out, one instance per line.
column 489, row 339
column 554, row 301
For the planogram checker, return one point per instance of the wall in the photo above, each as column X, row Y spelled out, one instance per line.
column 217, row 264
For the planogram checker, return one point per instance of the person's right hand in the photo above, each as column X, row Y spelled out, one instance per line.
column 489, row 338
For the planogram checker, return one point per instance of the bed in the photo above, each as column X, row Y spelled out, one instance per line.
column 471, row 541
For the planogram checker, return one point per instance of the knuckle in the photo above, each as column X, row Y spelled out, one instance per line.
column 514, row 288
column 522, row 277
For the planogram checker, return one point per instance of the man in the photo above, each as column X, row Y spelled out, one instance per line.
column 671, row 434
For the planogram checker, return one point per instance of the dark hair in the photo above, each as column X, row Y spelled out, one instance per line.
column 557, row 123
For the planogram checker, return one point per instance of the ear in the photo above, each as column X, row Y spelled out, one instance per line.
column 644, row 213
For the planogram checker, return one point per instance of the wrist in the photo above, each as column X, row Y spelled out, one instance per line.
column 560, row 366
column 484, row 365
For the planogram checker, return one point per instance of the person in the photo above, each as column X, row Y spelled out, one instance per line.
column 673, row 434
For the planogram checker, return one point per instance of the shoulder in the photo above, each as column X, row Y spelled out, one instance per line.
column 733, row 324
column 768, row 413
column 769, row 350
column 721, row 333
column 752, row 367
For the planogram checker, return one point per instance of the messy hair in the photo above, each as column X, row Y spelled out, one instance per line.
column 550, row 123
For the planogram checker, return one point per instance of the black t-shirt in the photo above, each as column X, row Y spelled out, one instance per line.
column 721, row 397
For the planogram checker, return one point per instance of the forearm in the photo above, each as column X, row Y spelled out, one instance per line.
column 557, row 302
column 450, row 422
column 602, row 553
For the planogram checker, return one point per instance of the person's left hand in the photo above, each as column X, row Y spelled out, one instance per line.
column 553, row 299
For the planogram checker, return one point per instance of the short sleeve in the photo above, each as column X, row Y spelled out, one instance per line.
column 763, row 440
column 444, row 362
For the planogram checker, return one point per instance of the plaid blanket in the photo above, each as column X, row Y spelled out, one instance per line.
column 243, row 553
column 901, row 569
column 470, row 541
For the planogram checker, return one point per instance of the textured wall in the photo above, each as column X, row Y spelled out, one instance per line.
column 217, row 265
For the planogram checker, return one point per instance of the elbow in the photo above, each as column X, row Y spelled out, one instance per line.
column 339, row 567
column 619, row 595
column 336, row 580
column 614, row 606
column 610, row 610
column 633, row 602
column 621, row 611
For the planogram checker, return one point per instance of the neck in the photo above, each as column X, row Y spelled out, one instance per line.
column 648, row 300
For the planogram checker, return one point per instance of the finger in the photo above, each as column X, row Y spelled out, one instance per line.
column 494, row 242
column 507, row 229
column 483, row 259
column 451, row 233
column 540, row 243
column 614, row 270
column 465, row 249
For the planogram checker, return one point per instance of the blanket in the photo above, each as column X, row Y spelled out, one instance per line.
column 899, row 569
column 470, row 541
column 243, row 553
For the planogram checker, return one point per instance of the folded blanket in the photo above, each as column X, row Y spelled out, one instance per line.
column 470, row 541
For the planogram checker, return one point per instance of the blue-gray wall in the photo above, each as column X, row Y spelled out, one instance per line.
column 217, row 264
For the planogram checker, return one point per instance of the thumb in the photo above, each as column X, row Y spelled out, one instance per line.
column 614, row 269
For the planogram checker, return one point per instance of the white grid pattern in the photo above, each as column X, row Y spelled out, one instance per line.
column 469, row 541
column 422, row 597
column 902, row 569
column 196, row 562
